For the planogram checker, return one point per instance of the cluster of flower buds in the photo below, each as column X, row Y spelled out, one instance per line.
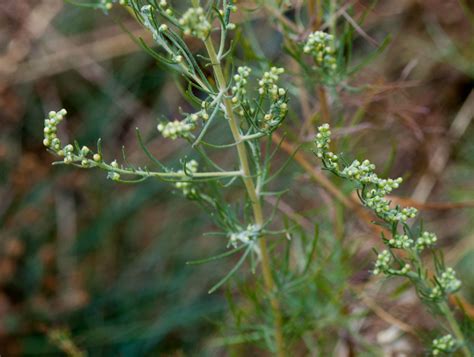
column 50, row 130
column 400, row 241
column 176, row 129
column 194, row 22
column 399, row 214
column 322, row 141
column 426, row 239
column 376, row 202
column 442, row 345
column 240, row 81
column 68, row 152
column 447, row 284
column 383, row 265
column 268, row 84
column 359, row 171
column 448, row 281
column 187, row 187
column 71, row 154
column 321, row 46
column 374, row 199
column 182, row 129
column 363, row 173
column 268, row 89
column 385, row 186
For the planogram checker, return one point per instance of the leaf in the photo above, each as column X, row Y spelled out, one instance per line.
column 215, row 257
column 232, row 271
column 370, row 57
column 312, row 251
column 147, row 152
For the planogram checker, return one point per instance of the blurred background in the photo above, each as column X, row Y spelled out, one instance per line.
column 105, row 263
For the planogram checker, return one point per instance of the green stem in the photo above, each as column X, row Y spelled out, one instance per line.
column 455, row 328
column 332, row 17
column 252, row 193
column 202, row 175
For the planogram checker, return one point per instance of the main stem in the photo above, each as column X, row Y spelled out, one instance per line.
column 253, row 195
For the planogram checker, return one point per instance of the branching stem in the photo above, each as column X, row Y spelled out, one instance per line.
column 170, row 174
column 253, row 196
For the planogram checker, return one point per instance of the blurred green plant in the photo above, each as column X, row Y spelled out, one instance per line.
column 62, row 339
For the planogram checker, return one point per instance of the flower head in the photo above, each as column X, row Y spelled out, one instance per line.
column 195, row 23
column 426, row 239
column 321, row 46
column 445, row 344
column 382, row 264
column 182, row 129
column 240, row 81
column 447, row 283
column 400, row 241
column 186, row 186
column 268, row 83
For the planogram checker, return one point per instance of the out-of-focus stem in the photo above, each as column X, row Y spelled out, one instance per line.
column 315, row 9
column 323, row 101
column 319, row 13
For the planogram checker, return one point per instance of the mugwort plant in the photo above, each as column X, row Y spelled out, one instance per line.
column 252, row 102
